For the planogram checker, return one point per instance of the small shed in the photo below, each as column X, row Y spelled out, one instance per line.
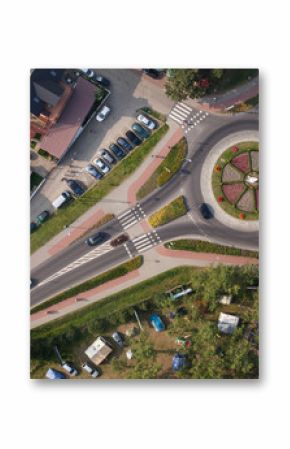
column 98, row 351
column 226, row 299
column 129, row 354
column 227, row 323
column 179, row 361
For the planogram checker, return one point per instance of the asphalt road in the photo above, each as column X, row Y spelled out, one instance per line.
column 186, row 182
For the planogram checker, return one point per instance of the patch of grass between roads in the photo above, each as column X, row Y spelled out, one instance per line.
column 168, row 213
column 115, row 273
column 201, row 246
column 78, row 207
column 168, row 167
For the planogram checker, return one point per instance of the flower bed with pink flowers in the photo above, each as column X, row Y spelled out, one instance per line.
column 236, row 183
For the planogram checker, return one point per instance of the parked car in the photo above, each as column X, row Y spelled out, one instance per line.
column 140, row 131
column 133, row 138
column 117, row 337
column 156, row 322
column 91, row 170
column 88, row 72
column 205, row 211
column 107, row 156
column 94, row 372
column 75, row 186
column 124, row 144
column 149, row 123
column 119, row 240
column 102, row 80
column 33, row 226
column 102, row 166
column 96, row 239
column 153, row 73
column 118, row 152
column 70, row 369
column 103, row 113
column 43, row 216
column 62, row 199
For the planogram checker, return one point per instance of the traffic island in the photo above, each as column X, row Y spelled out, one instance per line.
column 235, row 181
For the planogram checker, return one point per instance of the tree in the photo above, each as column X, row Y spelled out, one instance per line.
column 217, row 73
column 144, row 359
column 183, row 84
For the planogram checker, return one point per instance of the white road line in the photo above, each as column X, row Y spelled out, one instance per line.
column 145, row 248
column 180, row 108
column 130, row 224
column 185, row 106
column 125, row 213
column 139, row 238
column 128, row 251
column 175, row 119
column 129, row 220
column 178, row 115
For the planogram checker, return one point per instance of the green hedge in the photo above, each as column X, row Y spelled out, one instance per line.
column 168, row 167
column 168, row 213
column 68, row 215
column 201, row 246
column 115, row 273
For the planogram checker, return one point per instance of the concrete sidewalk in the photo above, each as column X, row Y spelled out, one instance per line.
column 156, row 261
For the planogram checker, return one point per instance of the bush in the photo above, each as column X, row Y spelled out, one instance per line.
column 208, row 247
column 44, row 153
column 170, row 212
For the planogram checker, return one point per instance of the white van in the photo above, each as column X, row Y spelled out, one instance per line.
column 61, row 199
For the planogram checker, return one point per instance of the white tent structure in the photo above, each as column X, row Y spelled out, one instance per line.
column 227, row 323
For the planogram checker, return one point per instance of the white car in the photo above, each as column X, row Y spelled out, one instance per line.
column 70, row 369
column 88, row 72
column 104, row 112
column 89, row 369
column 104, row 168
column 146, row 121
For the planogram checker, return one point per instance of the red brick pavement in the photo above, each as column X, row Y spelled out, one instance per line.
column 133, row 189
column 76, row 232
column 83, row 297
column 209, row 257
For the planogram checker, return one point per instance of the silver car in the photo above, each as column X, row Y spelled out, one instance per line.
column 146, row 121
column 102, row 166
column 103, row 114
column 107, row 156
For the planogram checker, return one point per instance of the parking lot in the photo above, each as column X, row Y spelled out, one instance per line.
column 130, row 90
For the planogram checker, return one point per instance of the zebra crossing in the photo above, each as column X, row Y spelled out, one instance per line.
column 187, row 117
column 131, row 216
column 97, row 252
column 146, row 241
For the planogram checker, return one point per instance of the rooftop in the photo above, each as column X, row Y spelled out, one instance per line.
column 62, row 133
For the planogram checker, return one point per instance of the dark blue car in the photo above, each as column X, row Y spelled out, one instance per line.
column 76, row 188
column 124, row 144
column 93, row 172
column 118, row 152
column 156, row 322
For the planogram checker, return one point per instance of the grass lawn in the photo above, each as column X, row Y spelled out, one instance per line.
column 35, row 180
column 115, row 273
column 217, row 179
column 168, row 167
column 78, row 207
column 201, row 246
column 168, row 213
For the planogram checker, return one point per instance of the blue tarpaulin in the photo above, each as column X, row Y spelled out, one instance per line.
column 178, row 362
column 54, row 374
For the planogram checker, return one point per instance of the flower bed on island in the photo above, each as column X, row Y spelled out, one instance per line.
column 235, row 181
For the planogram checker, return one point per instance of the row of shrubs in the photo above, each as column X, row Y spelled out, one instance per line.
column 208, row 247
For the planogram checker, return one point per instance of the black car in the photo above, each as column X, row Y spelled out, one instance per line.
column 117, row 337
column 140, row 131
column 102, row 80
column 96, row 239
column 133, row 138
column 118, row 152
column 153, row 73
column 33, row 226
column 76, row 188
column 43, row 216
column 124, row 144
column 205, row 211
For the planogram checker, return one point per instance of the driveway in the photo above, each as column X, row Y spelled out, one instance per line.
column 130, row 90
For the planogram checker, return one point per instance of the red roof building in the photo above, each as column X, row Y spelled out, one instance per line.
column 61, row 134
